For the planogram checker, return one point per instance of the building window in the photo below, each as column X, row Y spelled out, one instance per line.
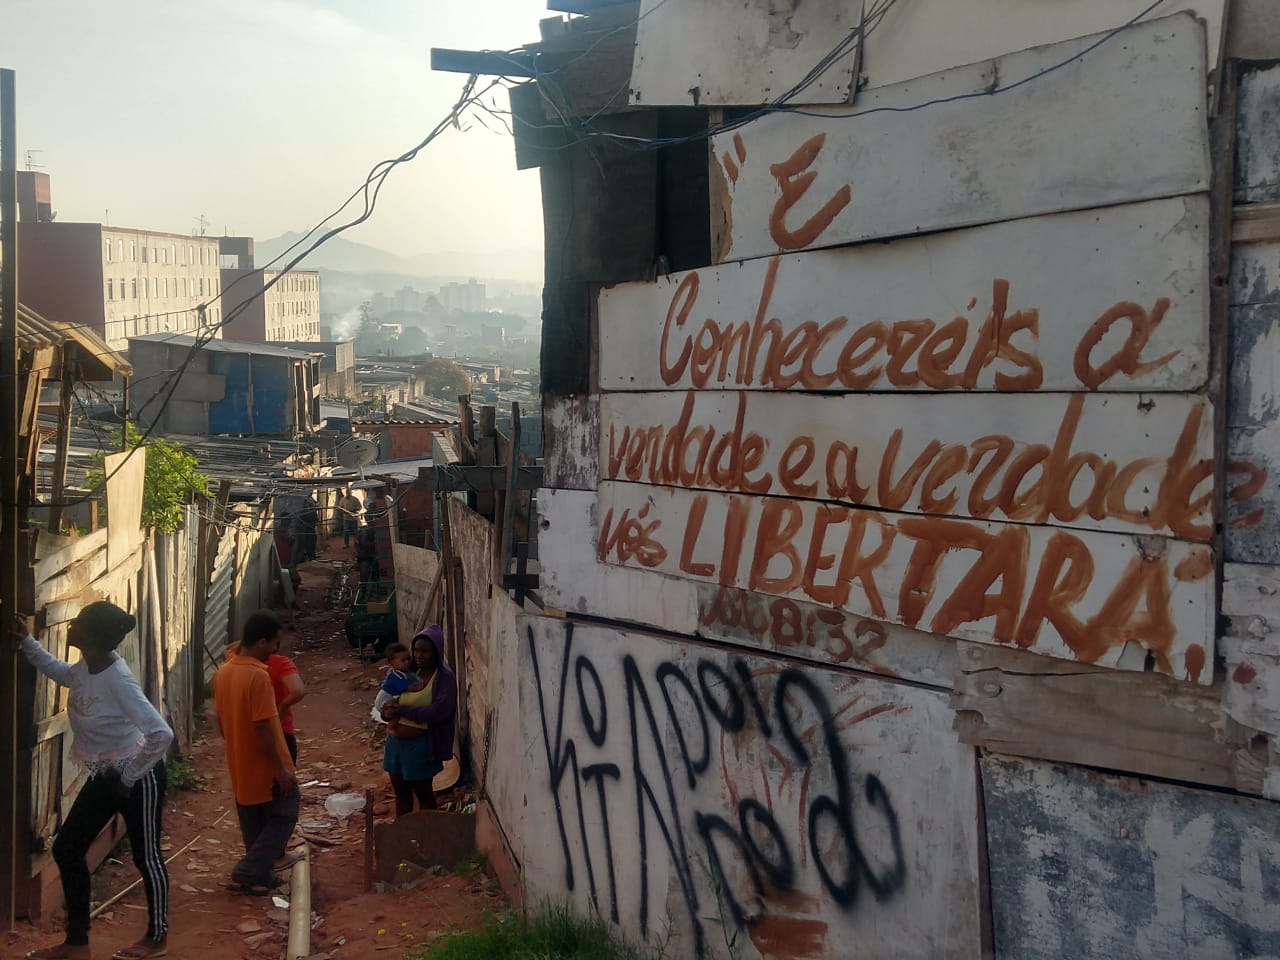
column 191, row 254
column 202, row 286
column 164, row 255
column 155, row 287
column 133, row 249
column 184, row 286
column 119, row 249
column 133, row 287
column 110, row 284
column 165, row 287
column 144, row 253
column 108, row 253
column 173, row 252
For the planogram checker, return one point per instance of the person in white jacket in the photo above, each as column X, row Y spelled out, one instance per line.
column 121, row 740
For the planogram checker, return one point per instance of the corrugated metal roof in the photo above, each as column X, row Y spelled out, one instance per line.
column 255, row 347
column 35, row 331
column 425, row 420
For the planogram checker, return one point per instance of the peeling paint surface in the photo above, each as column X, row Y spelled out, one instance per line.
column 1089, row 866
column 1257, row 176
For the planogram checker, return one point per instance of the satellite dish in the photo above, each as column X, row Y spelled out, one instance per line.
column 357, row 454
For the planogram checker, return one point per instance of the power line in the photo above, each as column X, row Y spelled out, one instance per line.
column 370, row 188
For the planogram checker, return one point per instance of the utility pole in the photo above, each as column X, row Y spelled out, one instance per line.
column 10, row 512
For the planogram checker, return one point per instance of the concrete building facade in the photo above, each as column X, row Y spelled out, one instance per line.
column 467, row 297
column 266, row 304
column 119, row 282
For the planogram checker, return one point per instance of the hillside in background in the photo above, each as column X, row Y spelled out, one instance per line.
column 349, row 256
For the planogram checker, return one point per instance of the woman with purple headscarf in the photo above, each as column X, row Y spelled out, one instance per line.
column 421, row 739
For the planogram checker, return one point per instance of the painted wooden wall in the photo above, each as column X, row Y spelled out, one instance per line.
column 962, row 428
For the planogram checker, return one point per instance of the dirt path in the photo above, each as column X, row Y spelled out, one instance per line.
column 335, row 755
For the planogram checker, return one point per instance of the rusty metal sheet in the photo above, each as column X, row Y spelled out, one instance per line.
column 729, row 53
column 1127, row 602
column 1029, row 133
column 1095, row 867
column 1111, row 299
column 1124, row 462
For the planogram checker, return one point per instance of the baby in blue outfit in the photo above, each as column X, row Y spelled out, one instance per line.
column 400, row 678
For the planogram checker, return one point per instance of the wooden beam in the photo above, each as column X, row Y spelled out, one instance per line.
column 70, row 370
column 477, row 479
column 1256, row 222
column 509, row 498
column 1031, row 706
column 484, row 62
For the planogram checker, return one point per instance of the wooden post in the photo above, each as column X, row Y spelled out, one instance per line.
column 70, row 370
column 1222, row 141
column 13, row 839
column 507, row 548
column 368, row 840
column 455, row 620
column 206, row 550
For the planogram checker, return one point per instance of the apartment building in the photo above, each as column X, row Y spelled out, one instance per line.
column 265, row 304
column 119, row 282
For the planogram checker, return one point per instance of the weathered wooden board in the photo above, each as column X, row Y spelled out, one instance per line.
column 571, row 436
column 1095, row 461
column 727, row 53
column 1253, row 30
column 473, row 544
column 1130, row 602
column 680, row 789
column 1087, row 866
column 919, row 37
column 574, row 581
column 889, row 166
column 1257, row 168
column 125, row 473
column 416, row 570
column 1112, row 299
column 1017, row 703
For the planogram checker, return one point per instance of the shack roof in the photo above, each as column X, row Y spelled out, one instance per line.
column 97, row 360
column 255, row 348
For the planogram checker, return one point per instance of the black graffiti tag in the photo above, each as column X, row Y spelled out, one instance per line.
column 644, row 783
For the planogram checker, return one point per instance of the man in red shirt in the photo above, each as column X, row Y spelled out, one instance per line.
column 262, row 775
column 287, row 685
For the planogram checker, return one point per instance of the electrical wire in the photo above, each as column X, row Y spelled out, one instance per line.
column 587, row 132
column 370, row 189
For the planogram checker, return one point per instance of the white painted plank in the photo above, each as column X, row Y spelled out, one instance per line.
column 125, row 473
column 873, row 311
column 726, row 52
column 919, row 37
column 1110, row 599
column 575, row 581
column 1251, row 590
column 1062, row 140
column 677, row 789
column 966, row 455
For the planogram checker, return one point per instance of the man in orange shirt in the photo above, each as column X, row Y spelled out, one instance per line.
column 262, row 776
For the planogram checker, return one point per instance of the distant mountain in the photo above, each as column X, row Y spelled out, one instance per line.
column 340, row 253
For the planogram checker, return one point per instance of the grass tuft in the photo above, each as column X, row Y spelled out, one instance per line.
column 180, row 775
column 551, row 933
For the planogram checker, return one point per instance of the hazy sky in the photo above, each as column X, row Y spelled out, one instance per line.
column 263, row 115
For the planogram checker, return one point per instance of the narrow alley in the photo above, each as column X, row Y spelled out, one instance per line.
column 337, row 754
